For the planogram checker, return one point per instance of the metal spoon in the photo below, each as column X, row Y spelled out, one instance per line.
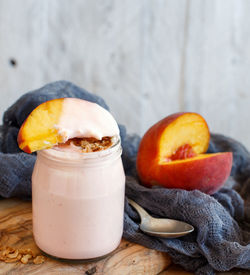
column 165, row 228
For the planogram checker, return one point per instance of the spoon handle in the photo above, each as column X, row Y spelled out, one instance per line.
column 143, row 213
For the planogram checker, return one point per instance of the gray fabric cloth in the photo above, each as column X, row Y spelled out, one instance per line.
column 221, row 239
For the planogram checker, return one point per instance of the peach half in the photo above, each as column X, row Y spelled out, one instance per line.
column 59, row 120
column 172, row 154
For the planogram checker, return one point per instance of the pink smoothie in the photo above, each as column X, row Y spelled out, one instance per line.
column 78, row 205
column 78, row 198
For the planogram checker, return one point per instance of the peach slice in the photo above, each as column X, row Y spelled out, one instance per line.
column 59, row 120
column 171, row 154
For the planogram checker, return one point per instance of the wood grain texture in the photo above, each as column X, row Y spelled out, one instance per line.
column 16, row 232
column 127, row 259
column 146, row 58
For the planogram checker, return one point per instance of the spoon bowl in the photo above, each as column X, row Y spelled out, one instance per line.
column 165, row 228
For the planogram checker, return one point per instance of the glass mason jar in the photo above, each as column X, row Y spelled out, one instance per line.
column 78, row 202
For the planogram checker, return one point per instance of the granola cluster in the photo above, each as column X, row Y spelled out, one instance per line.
column 91, row 144
column 11, row 255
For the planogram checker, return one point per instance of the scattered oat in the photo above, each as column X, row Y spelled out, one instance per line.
column 7, row 251
column 13, row 254
column 39, row 260
column 26, row 258
column 25, row 251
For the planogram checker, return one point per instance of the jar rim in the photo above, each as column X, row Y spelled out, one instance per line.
column 71, row 157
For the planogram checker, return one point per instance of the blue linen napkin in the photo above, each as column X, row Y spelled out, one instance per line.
column 221, row 240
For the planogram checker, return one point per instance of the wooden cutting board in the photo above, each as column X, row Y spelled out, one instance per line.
column 16, row 232
column 128, row 258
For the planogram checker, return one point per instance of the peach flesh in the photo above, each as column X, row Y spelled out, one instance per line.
column 171, row 154
column 57, row 120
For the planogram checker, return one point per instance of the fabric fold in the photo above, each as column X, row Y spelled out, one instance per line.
column 221, row 239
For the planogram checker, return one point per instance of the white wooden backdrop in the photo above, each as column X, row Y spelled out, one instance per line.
column 147, row 58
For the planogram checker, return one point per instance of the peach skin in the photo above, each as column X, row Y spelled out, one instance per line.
column 172, row 154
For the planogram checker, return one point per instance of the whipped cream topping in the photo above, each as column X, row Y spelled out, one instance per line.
column 81, row 118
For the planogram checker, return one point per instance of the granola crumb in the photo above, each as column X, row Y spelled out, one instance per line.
column 23, row 255
column 39, row 259
column 89, row 145
column 13, row 254
column 7, row 251
column 26, row 258
column 27, row 251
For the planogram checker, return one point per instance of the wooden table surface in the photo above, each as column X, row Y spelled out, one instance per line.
column 128, row 258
